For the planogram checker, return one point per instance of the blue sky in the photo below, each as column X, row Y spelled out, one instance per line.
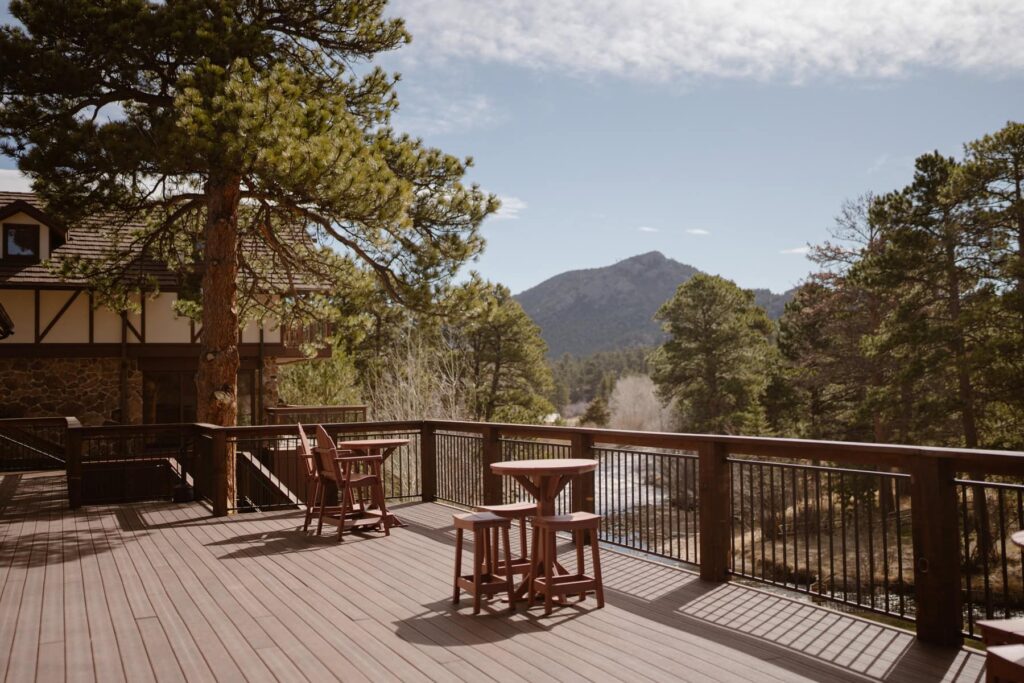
column 725, row 135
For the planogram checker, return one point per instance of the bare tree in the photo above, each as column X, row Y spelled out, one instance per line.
column 418, row 380
column 634, row 405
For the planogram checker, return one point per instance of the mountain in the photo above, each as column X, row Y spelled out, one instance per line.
column 600, row 309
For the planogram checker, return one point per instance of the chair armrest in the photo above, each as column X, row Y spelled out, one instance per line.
column 359, row 458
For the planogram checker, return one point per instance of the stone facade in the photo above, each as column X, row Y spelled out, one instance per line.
column 86, row 388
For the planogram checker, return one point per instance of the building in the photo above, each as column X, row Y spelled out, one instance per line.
column 62, row 354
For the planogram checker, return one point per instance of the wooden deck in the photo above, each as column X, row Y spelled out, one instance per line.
column 164, row 592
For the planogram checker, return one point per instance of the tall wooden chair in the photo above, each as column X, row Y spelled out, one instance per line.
column 314, row 486
column 360, row 487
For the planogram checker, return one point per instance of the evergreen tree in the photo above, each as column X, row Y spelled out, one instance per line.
column 246, row 144
column 717, row 363
column 934, row 260
column 508, row 378
column 839, row 385
column 992, row 177
column 597, row 413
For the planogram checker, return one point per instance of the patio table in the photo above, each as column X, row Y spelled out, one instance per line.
column 381, row 447
column 544, row 480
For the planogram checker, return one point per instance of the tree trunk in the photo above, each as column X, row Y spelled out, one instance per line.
column 217, row 377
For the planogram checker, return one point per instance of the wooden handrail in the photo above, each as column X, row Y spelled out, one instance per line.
column 856, row 453
column 279, row 414
column 285, row 410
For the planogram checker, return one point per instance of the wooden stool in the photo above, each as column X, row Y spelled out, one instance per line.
column 1002, row 631
column 484, row 580
column 578, row 524
column 511, row 511
column 1004, row 664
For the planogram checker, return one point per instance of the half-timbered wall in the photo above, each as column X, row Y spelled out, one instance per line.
column 67, row 316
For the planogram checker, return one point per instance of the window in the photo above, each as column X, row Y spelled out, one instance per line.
column 21, row 242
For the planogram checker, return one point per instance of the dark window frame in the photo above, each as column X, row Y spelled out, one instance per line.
column 36, row 258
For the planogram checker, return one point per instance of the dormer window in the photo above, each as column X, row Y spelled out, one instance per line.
column 21, row 242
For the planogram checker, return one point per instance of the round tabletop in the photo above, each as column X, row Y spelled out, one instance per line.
column 372, row 443
column 552, row 467
column 1018, row 539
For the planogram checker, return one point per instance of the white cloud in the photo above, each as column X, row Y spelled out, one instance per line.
column 698, row 231
column 647, row 228
column 12, row 180
column 789, row 40
column 796, row 250
column 510, row 209
column 430, row 112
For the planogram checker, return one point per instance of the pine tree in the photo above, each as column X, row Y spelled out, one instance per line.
column 509, row 380
column 992, row 178
column 251, row 142
column 934, row 260
column 718, row 360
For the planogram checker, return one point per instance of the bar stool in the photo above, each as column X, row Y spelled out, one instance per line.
column 1002, row 631
column 1004, row 664
column 512, row 511
column 550, row 585
column 484, row 580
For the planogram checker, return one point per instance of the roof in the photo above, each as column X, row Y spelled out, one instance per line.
column 88, row 240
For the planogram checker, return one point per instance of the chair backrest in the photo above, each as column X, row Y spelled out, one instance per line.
column 306, row 454
column 326, row 449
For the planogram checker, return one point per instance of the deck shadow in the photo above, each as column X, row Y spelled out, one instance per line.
column 443, row 624
column 851, row 649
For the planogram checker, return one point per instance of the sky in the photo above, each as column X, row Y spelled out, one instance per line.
column 724, row 133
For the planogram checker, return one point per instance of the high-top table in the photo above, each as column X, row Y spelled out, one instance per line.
column 381, row 447
column 544, row 480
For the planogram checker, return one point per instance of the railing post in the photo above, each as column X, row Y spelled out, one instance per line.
column 933, row 509
column 219, row 469
column 428, row 463
column 492, row 454
column 583, row 488
column 73, row 462
column 582, row 447
column 714, row 500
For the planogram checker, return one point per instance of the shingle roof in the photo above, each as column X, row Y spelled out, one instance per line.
column 90, row 240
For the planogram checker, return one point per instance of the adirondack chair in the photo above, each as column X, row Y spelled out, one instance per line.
column 360, row 485
column 314, row 485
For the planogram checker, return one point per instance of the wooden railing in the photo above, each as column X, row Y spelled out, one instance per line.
column 884, row 528
column 32, row 443
column 294, row 336
column 279, row 415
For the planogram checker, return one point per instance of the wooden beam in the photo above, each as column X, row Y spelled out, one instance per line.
column 63, row 309
column 128, row 326
column 92, row 319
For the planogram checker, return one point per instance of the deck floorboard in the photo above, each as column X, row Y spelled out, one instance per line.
column 163, row 592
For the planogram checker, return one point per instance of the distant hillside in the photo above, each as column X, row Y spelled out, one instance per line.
column 599, row 309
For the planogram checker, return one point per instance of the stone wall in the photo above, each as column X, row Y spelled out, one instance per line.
column 86, row 388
